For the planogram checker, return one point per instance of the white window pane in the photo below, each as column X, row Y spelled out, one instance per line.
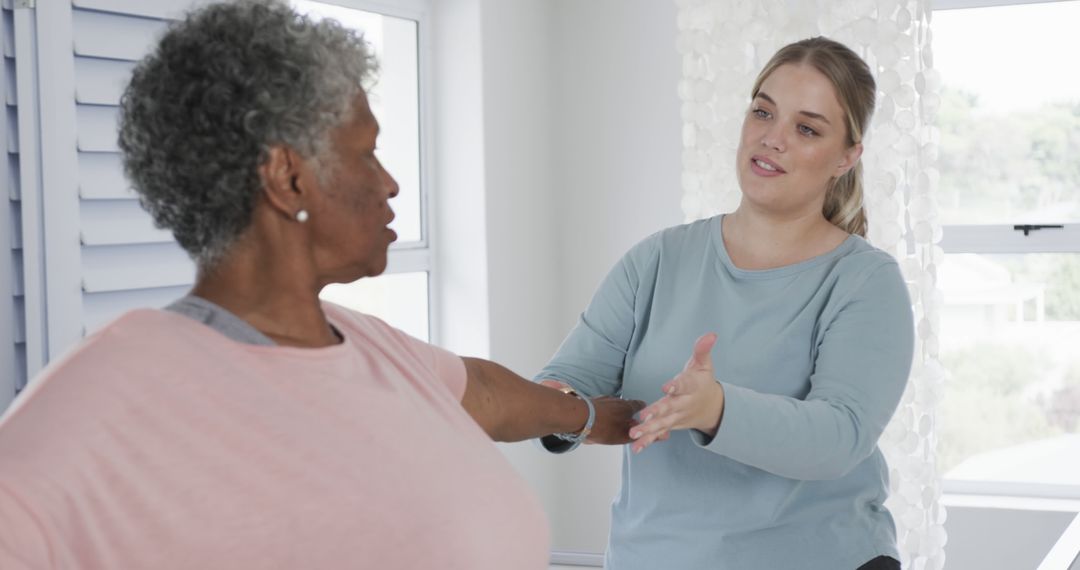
column 1010, row 333
column 400, row 299
column 395, row 101
column 1010, row 116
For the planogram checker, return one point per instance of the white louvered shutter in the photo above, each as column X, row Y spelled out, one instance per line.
column 126, row 261
column 82, row 250
column 13, row 333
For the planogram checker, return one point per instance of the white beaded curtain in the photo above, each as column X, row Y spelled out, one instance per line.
column 724, row 43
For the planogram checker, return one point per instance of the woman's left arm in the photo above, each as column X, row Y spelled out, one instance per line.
column 860, row 372
column 511, row 408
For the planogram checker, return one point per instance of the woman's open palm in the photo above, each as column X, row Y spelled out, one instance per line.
column 692, row 400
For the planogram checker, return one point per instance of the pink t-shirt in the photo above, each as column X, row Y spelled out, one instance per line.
column 159, row 443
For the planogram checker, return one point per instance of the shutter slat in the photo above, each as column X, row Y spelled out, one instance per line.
column 14, row 186
column 16, row 228
column 16, row 272
column 164, row 9
column 9, row 33
column 97, row 128
column 125, row 268
column 20, row 365
column 101, row 177
column 111, row 36
column 100, row 308
column 118, row 222
column 101, row 81
column 11, row 92
column 19, row 326
column 12, row 129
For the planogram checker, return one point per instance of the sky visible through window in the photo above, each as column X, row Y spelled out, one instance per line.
column 1014, row 57
column 1010, row 114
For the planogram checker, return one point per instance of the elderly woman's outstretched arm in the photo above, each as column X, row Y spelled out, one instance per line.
column 511, row 408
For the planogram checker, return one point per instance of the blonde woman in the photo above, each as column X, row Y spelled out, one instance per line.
column 761, row 450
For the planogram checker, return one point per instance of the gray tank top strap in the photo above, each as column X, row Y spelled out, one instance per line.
column 219, row 319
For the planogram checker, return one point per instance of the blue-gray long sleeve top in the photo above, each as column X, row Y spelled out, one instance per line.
column 813, row 358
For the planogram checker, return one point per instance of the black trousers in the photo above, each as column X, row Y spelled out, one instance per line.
column 881, row 563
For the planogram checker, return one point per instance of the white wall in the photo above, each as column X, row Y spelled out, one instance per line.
column 617, row 134
column 617, row 163
column 520, row 215
column 558, row 148
column 522, row 221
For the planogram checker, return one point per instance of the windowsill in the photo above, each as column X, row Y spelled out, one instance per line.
column 1011, row 503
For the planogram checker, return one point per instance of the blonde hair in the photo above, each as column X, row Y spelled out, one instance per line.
column 856, row 90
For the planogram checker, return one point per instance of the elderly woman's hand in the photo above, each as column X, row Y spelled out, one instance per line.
column 693, row 400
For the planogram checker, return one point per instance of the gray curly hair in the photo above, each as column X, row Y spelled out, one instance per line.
column 223, row 86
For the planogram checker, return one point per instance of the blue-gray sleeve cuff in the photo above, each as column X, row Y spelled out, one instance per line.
column 552, row 444
column 733, row 433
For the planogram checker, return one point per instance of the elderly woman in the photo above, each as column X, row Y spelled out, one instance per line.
column 249, row 425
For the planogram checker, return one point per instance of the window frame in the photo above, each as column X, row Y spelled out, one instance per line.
column 964, row 4
column 1006, row 239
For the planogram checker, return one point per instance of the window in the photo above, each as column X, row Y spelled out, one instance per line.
column 1009, row 198
column 400, row 296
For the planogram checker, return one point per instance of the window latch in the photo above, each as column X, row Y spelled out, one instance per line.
column 25, row 4
column 1028, row 228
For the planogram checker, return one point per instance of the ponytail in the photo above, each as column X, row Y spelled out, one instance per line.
column 844, row 202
